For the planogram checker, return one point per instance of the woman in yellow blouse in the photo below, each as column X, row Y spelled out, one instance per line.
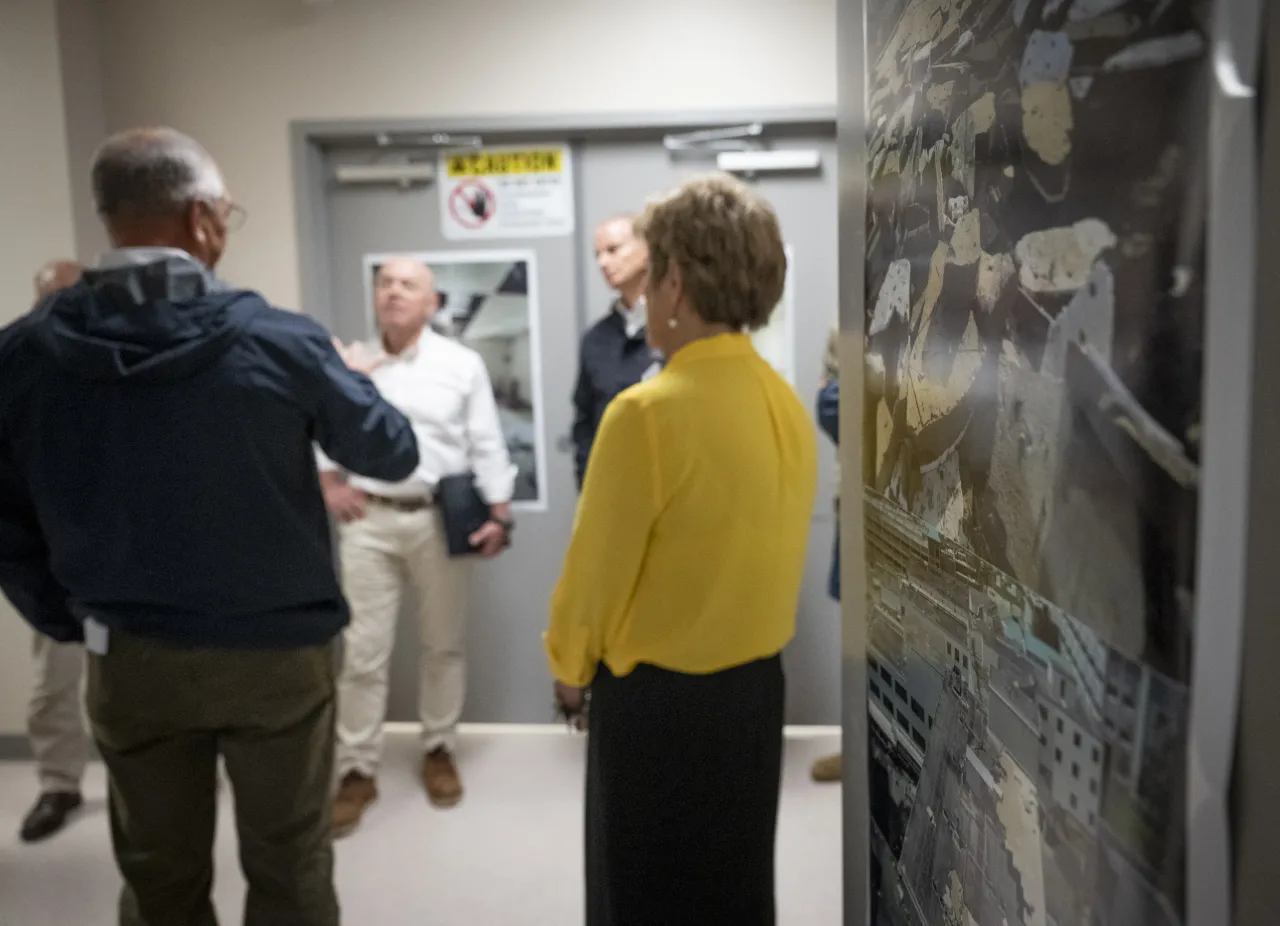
column 681, row 581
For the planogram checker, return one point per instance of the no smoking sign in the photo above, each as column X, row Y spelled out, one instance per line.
column 472, row 203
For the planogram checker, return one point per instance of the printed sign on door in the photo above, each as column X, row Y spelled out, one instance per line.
column 508, row 192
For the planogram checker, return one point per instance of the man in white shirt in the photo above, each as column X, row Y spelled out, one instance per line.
column 393, row 532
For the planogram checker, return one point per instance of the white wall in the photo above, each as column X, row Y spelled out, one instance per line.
column 79, row 45
column 36, row 225
column 234, row 73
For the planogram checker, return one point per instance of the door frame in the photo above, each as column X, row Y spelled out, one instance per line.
column 851, row 232
column 310, row 140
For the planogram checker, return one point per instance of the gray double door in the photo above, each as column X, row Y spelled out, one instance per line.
column 507, row 675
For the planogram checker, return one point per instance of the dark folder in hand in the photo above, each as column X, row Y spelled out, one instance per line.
column 463, row 510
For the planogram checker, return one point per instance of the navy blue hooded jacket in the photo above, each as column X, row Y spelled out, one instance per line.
column 156, row 462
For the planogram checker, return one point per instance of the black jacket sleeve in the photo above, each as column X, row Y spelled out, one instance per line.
column 829, row 410
column 584, row 419
column 354, row 425
column 26, row 577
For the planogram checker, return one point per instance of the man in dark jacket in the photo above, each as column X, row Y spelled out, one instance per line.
column 159, row 500
column 615, row 352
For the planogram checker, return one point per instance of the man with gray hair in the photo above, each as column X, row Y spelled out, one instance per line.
column 615, row 353
column 159, row 500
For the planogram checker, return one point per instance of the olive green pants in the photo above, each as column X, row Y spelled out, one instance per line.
column 162, row 716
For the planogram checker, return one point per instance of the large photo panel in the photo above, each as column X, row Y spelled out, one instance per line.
column 489, row 302
column 1035, row 302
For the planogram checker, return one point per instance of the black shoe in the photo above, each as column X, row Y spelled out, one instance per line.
column 49, row 815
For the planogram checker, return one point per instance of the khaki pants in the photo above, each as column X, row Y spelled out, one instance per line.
column 55, row 716
column 162, row 716
column 380, row 554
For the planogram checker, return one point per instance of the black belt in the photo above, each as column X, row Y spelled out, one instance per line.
column 407, row 505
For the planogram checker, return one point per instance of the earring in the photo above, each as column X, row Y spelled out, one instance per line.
column 671, row 323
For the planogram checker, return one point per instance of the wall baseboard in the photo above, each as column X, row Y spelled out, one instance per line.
column 15, row 747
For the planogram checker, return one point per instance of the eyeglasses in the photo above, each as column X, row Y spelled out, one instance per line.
column 236, row 216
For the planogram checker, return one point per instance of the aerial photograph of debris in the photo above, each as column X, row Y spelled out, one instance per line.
column 1034, row 339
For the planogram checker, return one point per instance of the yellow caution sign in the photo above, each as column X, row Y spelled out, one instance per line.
column 506, row 163
column 506, row 191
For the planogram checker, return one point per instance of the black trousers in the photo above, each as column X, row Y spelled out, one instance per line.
column 683, row 773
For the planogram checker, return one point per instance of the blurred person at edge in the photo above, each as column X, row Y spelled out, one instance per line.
column 682, row 578
column 392, row 535
column 614, row 354
column 159, row 501
column 55, row 715
column 829, row 769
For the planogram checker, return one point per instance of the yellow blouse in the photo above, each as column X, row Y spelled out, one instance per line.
column 689, row 543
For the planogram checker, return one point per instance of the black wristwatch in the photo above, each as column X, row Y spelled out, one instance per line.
column 508, row 527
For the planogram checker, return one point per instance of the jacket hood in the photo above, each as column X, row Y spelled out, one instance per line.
column 153, row 322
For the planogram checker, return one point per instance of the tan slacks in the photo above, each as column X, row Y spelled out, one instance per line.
column 55, row 715
column 382, row 554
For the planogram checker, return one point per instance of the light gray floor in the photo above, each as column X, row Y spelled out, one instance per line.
column 509, row 856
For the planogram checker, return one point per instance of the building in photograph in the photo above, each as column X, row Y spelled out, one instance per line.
column 1087, row 653
column 902, row 686
column 956, row 864
column 1030, row 689
column 1039, row 716
column 1144, row 810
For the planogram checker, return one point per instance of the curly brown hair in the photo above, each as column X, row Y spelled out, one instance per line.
column 726, row 241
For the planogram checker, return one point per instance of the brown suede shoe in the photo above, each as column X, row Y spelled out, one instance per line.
column 828, row 769
column 440, row 777
column 355, row 795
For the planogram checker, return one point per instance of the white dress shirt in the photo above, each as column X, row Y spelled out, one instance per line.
column 443, row 389
column 634, row 321
column 636, row 318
